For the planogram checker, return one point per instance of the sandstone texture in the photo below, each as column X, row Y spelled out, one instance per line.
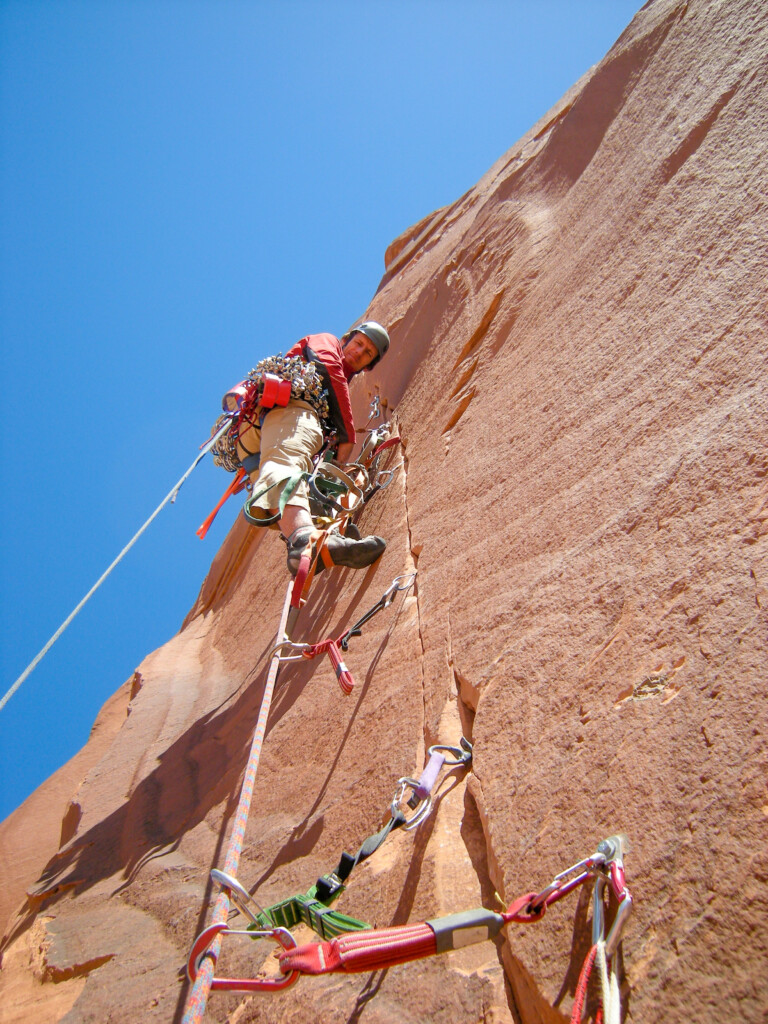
column 579, row 376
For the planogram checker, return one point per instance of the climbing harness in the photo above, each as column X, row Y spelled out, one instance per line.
column 312, row 908
column 274, row 381
column 314, row 553
column 334, row 648
column 335, row 494
column 170, row 497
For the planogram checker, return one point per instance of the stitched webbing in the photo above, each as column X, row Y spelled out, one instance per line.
column 362, row 951
column 330, row 885
column 308, row 909
column 289, row 489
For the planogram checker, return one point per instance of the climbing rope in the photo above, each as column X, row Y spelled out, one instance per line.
column 170, row 497
column 203, row 979
column 602, row 949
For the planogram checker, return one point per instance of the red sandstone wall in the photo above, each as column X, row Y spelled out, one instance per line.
column 580, row 380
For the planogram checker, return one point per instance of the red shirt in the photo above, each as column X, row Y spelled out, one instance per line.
column 325, row 351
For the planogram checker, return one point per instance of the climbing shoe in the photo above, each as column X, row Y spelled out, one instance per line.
column 346, row 551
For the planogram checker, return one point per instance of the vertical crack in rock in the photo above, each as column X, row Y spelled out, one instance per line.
column 475, row 835
column 527, row 1003
column 414, row 551
column 466, row 711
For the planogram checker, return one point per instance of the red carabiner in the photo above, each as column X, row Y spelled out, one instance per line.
column 522, row 911
column 208, row 935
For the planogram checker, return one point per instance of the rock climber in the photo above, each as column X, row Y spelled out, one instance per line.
column 284, row 440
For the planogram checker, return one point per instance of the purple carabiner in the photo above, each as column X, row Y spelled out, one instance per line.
column 428, row 777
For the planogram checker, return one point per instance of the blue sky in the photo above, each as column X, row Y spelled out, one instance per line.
column 185, row 187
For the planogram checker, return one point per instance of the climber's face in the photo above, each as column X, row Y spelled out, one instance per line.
column 359, row 352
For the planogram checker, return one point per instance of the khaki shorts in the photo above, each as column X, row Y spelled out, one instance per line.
column 287, row 440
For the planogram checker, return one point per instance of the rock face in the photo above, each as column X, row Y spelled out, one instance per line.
column 579, row 377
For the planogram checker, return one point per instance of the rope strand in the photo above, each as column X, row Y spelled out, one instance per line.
column 198, row 997
column 171, row 496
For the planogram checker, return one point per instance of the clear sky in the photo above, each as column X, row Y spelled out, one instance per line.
column 185, row 187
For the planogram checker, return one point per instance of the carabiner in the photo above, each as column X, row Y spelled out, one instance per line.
column 207, row 937
column 605, row 865
column 396, row 587
column 238, row 894
column 613, row 849
column 372, row 441
column 385, row 477
column 294, row 646
column 358, row 467
column 372, row 447
column 328, row 471
column 463, row 754
column 384, row 601
column 422, row 809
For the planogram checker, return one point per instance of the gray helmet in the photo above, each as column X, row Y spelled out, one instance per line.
column 375, row 333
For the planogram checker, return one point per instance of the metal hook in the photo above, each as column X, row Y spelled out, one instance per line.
column 462, row 754
column 206, row 938
column 422, row 810
column 239, row 894
column 294, row 646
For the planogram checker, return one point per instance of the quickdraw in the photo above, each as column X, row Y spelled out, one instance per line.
column 329, row 886
column 312, row 908
column 334, row 648
column 421, row 795
column 382, row 948
column 604, row 948
column 377, row 442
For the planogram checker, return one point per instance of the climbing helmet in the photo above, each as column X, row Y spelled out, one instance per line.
column 375, row 333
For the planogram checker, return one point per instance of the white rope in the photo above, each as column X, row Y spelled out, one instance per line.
column 171, row 496
column 615, row 1003
column 609, row 986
